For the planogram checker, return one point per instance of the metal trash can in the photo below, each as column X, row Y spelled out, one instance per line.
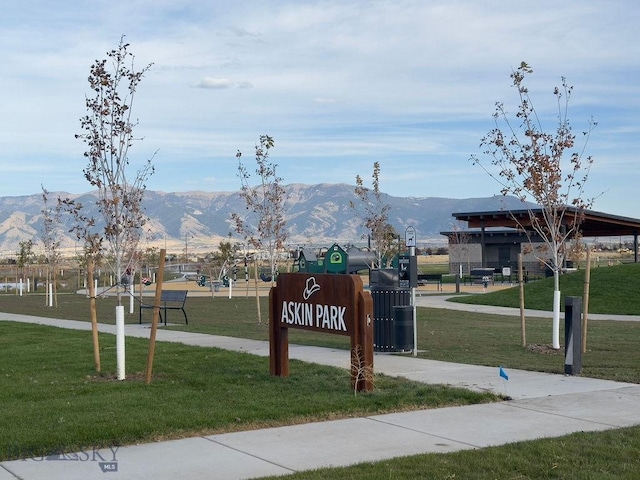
column 384, row 299
column 403, row 328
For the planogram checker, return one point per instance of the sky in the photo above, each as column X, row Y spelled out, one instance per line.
column 339, row 85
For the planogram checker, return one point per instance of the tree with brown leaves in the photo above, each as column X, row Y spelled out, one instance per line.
column 108, row 134
column 547, row 169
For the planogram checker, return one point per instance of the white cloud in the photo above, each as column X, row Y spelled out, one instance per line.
column 328, row 101
column 214, row 83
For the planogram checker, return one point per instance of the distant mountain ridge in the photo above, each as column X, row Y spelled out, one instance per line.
column 316, row 215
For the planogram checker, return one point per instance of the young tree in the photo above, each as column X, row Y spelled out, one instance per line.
column 151, row 256
column 375, row 214
column 24, row 256
column 108, row 133
column 265, row 203
column 264, row 227
column 544, row 168
column 50, row 236
column 227, row 250
column 225, row 259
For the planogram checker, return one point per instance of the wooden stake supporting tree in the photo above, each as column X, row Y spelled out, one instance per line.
column 92, row 253
column 154, row 321
column 523, row 325
column 585, row 303
column 94, row 315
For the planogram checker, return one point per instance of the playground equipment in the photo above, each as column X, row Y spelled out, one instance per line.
column 334, row 260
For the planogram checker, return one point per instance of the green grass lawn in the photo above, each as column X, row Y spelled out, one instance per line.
column 614, row 454
column 447, row 335
column 612, row 290
column 52, row 399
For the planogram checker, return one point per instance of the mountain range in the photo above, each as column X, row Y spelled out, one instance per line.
column 316, row 215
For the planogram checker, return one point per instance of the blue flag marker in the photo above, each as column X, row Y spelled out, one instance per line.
column 503, row 374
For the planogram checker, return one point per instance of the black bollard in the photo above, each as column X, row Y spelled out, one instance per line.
column 572, row 335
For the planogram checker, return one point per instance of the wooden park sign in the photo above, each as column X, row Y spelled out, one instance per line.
column 335, row 304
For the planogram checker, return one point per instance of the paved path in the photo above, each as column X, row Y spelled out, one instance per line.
column 544, row 405
column 442, row 301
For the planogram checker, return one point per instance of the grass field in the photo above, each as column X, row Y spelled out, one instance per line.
column 52, row 399
column 612, row 290
column 447, row 335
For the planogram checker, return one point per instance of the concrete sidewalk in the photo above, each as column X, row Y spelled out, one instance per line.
column 544, row 405
column 442, row 301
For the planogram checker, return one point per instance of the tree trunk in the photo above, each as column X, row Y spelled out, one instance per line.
column 55, row 288
column 120, row 342
column 257, row 294
column 556, row 309
column 120, row 335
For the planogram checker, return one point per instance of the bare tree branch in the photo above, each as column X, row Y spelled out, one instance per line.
column 375, row 214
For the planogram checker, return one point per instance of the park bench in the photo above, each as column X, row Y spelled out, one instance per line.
column 433, row 278
column 480, row 276
column 169, row 300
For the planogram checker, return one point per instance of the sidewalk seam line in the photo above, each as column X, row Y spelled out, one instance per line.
column 249, row 454
column 529, row 409
column 424, row 433
column 10, row 472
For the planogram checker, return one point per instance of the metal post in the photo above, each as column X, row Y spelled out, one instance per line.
column 410, row 241
column 412, row 253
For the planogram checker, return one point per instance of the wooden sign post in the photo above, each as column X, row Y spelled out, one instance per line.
column 335, row 304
